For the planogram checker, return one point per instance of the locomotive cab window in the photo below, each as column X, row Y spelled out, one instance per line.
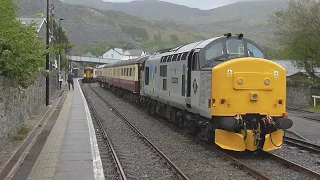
column 214, row 51
column 254, row 51
column 235, row 47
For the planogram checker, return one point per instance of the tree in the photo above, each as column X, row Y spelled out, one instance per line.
column 21, row 52
column 298, row 29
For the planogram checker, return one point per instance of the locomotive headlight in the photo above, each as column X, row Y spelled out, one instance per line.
column 240, row 81
column 267, row 82
column 254, row 96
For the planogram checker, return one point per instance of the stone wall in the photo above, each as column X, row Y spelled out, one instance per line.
column 16, row 104
column 300, row 96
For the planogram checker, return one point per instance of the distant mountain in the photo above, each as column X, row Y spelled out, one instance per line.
column 248, row 17
column 246, row 12
column 86, row 25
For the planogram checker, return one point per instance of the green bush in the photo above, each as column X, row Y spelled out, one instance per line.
column 21, row 52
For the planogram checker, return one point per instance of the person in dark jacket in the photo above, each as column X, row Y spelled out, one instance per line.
column 70, row 80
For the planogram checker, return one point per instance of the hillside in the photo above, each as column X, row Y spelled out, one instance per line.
column 249, row 17
column 247, row 12
column 87, row 25
column 105, row 24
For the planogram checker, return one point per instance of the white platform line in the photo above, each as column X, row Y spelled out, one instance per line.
column 97, row 164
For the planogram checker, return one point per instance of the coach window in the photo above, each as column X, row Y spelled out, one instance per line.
column 214, row 51
column 253, row 51
column 184, row 56
column 130, row 71
column 134, row 71
column 174, row 57
column 122, row 72
column 179, row 57
column 127, row 71
column 164, row 59
column 169, row 58
column 146, row 76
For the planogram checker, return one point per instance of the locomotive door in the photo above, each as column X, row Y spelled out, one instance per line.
column 192, row 84
column 151, row 75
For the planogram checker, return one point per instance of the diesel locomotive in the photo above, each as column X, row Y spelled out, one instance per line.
column 224, row 89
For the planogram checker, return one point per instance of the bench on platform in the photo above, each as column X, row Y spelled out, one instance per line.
column 315, row 100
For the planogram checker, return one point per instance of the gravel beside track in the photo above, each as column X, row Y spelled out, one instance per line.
column 138, row 159
column 195, row 161
column 271, row 168
column 299, row 156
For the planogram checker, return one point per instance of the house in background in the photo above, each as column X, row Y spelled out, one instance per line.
column 39, row 24
column 122, row 54
column 133, row 53
column 114, row 53
column 89, row 54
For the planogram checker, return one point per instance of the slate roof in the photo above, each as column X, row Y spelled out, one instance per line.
column 134, row 52
column 36, row 22
column 89, row 54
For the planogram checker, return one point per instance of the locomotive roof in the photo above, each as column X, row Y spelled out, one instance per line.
column 128, row 62
column 195, row 45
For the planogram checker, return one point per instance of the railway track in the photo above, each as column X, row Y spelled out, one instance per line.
column 292, row 165
column 309, row 115
column 111, row 151
column 176, row 172
column 252, row 169
column 302, row 144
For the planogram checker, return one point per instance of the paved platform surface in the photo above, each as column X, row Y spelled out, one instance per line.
column 306, row 128
column 71, row 150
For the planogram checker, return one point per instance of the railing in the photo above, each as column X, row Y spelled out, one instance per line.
column 315, row 100
column 93, row 59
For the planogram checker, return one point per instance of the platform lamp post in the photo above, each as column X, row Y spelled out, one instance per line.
column 47, row 57
column 59, row 60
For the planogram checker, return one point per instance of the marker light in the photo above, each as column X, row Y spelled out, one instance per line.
column 222, row 101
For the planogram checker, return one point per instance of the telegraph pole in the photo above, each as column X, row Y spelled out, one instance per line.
column 47, row 57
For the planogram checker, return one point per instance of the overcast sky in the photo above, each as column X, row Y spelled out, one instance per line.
column 202, row 4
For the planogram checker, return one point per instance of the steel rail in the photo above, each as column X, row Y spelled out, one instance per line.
column 293, row 165
column 105, row 136
column 172, row 165
column 302, row 144
column 243, row 165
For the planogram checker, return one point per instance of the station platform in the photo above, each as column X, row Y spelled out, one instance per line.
column 71, row 149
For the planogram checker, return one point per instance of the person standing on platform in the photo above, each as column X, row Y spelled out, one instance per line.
column 60, row 80
column 70, row 80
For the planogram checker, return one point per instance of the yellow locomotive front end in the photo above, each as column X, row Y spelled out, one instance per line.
column 88, row 75
column 249, row 101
